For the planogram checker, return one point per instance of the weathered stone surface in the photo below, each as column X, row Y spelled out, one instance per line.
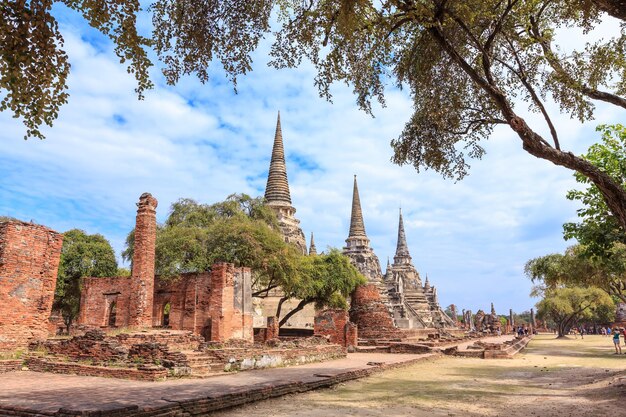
column 29, row 262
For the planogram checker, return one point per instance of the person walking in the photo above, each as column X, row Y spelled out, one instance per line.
column 618, row 348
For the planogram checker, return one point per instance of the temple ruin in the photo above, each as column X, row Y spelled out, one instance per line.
column 216, row 305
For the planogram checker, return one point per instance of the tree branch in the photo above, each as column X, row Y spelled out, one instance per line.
column 564, row 76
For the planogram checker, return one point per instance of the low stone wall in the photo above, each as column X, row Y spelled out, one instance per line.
column 241, row 359
column 10, row 365
column 147, row 373
column 507, row 350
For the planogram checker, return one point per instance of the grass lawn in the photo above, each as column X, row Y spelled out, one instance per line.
column 551, row 377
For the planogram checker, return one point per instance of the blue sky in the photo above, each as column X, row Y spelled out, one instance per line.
column 205, row 142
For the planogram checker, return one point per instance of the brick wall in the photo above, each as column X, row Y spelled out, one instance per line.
column 272, row 329
column 242, row 304
column 99, row 296
column 29, row 262
column 189, row 297
column 335, row 324
column 222, row 296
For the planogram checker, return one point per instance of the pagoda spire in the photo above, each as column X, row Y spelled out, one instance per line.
column 402, row 250
column 312, row 248
column 277, row 189
column 357, row 228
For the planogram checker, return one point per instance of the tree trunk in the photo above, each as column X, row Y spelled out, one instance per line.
column 613, row 193
column 280, row 306
column 299, row 307
column 616, row 8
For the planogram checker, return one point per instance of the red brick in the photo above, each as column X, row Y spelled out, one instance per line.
column 29, row 262
column 142, row 276
column 371, row 315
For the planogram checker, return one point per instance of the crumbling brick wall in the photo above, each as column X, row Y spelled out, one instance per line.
column 335, row 324
column 29, row 262
column 371, row 315
column 99, row 297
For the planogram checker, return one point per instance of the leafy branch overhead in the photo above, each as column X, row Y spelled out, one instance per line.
column 464, row 63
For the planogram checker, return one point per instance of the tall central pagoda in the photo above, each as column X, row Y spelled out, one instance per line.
column 358, row 244
column 278, row 197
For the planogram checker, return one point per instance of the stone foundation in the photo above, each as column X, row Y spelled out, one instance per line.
column 29, row 262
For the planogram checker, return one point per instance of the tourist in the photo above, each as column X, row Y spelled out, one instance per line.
column 618, row 348
column 624, row 334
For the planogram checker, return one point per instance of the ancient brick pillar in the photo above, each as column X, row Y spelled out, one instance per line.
column 272, row 329
column 29, row 262
column 221, row 303
column 142, row 276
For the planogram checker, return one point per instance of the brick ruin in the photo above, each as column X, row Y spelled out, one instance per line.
column 335, row 324
column 371, row 315
column 29, row 262
column 487, row 322
column 216, row 305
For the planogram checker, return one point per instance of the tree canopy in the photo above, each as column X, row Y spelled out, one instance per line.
column 575, row 268
column 240, row 230
column 598, row 230
column 465, row 63
column 82, row 255
column 568, row 306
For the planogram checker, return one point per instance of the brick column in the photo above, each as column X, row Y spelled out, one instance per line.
column 142, row 276
column 221, row 302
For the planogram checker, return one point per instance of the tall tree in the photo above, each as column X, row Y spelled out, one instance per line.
column 325, row 280
column 82, row 255
column 598, row 230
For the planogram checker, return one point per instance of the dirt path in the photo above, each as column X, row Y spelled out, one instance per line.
column 564, row 378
